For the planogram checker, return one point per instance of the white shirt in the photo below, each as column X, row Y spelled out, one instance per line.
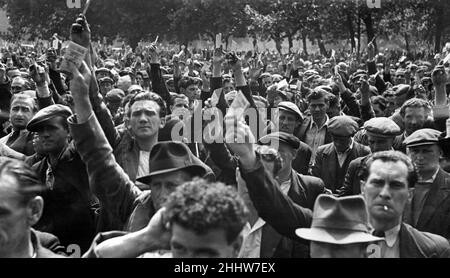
column 389, row 248
column 144, row 167
column 251, row 245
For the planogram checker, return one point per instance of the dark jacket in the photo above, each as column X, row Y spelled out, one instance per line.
column 301, row 161
column 417, row 244
column 326, row 166
column 42, row 252
column 69, row 211
column 352, row 183
column 285, row 214
column 435, row 215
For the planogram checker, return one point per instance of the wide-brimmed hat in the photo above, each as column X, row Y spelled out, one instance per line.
column 339, row 221
column 166, row 157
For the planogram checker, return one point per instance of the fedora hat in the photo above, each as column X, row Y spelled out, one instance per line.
column 167, row 157
column 338, row 221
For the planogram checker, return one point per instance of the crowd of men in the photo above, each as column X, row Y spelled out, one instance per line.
column 145, row 156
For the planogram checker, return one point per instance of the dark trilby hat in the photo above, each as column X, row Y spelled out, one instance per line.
column 169, row 156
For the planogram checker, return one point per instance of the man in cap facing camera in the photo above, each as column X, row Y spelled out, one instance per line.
column 69, row 204
column 339, row 229
column 379, row 133
column 105, row 85
column 430, row 207
column 332, row 160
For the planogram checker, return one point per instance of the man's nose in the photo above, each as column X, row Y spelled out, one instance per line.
column 385, row 193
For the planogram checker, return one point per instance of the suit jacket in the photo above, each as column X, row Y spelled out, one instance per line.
column 435, row 215
column 69, row 206
column 417, row 244
column 42, row 252
column 301, row 161
column 283, row 213
column 326, row 166
column 352, row 183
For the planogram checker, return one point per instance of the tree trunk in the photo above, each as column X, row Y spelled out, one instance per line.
column 367, row 18
column 321, row 45
column 359, row 36
column 439, row 27
column 351, row 30
column 278, row 44
column 291, row 43
column 406, row 43
column 305, row 47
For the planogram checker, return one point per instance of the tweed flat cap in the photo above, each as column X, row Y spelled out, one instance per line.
column 290, row 107
column 281, row 137
column 425, row 136
column 342, row 126
column 41, row 117
column 382, row 127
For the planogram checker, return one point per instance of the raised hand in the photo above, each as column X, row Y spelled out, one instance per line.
column 80, row 33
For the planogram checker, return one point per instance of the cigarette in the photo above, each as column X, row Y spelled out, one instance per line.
column 385, row 208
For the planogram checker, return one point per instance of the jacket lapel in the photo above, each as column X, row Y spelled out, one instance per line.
column 331, row 164
column 296, row 191
column 440, row 190
column 270, row 240
column 408, row 245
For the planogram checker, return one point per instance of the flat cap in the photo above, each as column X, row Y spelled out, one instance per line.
column 115, row 96
column 342, row 126
column 50, row 112
column 103, row 70
column 106, row 79
column 290, row 107
column 382, row 127
column 281, row 137
column 425, row 136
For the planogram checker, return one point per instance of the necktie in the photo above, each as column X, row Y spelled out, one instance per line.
column 378, row 233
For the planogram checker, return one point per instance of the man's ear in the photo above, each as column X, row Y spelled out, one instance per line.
column 362, row 184
column 163, row 122
column 35, row 208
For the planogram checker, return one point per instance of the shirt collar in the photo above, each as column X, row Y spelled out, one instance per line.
column 432, row 177
column 392, row 235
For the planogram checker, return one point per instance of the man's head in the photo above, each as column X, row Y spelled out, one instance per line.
column 146, row 115
column 415, row 112
column 23, row 108
column 381, row 133
column 189, row 87
column 318, row 104
column 339, row 229
column 289, row 117
column 402, row 94
column 20, row 206
column 105, row 85
column 18, row 85
column 270, row 158
column 180, row 103
column 266, row 79
column 171, row 164
column 424, row 150
column 342, row 129
column 206, row 220
column 51, row 125
column 386, row 178
column 286, row 144
column 400, row 77
column 228, row 85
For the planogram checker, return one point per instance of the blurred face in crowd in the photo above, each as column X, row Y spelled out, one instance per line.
column 267, row 81
column 329, row 250
column 53, row 135
column 213, row 243
column 16, row 217
column 163, row 185
column 390, row 105
column 378, row 144
column 228, row 87
column 17, row 85
column 386, row 193
column 318, row 109
column 287, row 154
column 379, row 112
column 22, row 110
column 399, row 78
column 414, row 119
column 287, row 122
column 105, row 87
column 426, row 158
column 341, row 143
column 192, row 92
column 144, row 120
column 140, row 80
column 277, row 100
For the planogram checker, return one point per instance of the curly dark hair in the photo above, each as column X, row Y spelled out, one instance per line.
column 200, row 206
column 389, row 156
column 415, row 103
column 29, row 185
